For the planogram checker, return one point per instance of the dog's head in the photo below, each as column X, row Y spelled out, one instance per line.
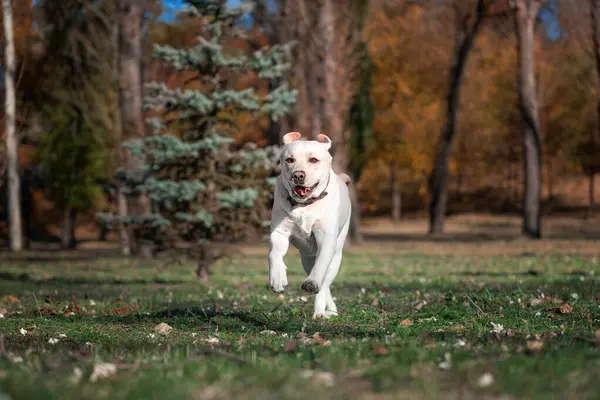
column 305, row 166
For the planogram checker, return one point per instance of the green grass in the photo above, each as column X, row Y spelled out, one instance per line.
column 105, row 310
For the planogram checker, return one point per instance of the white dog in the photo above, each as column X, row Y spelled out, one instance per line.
column 312, row 212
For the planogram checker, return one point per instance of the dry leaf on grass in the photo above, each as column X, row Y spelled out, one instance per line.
column 9, row 299
column 102, row 371
column 539, row 300
column 163, row 329
column 380, row 351
column 323, row 378
column 485, row 380
column 535, row 346
column 76, row 375
column 407, row 322
column 565, row 309
column 210, row 341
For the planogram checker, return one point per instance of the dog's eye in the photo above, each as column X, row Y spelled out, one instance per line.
column 289, row 160
column 313, row 160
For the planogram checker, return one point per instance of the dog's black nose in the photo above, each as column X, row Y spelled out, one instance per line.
column 299, row 176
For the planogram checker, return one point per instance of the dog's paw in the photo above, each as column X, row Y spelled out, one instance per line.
column 331, row 313
column 278, row 285
column 324, row 315
column 310, row 286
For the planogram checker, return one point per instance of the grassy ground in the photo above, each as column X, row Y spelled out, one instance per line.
column 413, row 324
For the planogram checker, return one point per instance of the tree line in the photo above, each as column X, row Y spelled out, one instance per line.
column 416, row 91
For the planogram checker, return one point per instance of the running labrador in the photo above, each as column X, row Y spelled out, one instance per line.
column 311, row 211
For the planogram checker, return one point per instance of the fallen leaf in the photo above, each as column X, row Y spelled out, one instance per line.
column 510, row 332
column 535, row 302
column 420, row 305
column 268, row 332
column 485, row 380
column 535, row 346
column 125, row 309
column 447, row 363
column 211, row 341
column 76, row 375
column 407, row 322
column 52, row 340
column 452, row 328
column 323, row 378
column 102, row 371
column 9, row 299
column 375, row 301
column 565, row 309
column 546, row 299
column 497, row 328
column 163, row 329
column 381, row 351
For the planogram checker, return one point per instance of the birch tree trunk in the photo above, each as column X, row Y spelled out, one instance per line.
column 12, row 142
column 525, row 16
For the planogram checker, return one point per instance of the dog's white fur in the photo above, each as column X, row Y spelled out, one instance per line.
column 319, row 229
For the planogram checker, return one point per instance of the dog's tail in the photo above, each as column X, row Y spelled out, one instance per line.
column 345, row 178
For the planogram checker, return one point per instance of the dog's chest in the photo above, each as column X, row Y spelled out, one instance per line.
column 303, row 221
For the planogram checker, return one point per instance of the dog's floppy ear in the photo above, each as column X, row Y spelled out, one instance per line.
column 291, row 137
column 324, row 139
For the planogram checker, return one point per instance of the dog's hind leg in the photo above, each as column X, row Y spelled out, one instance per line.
column 308, row 262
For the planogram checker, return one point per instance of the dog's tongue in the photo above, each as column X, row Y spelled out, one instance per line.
column 302, row 191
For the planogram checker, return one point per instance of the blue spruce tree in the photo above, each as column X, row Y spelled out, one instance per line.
column 206, row 190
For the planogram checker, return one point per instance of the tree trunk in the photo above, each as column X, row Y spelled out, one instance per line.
column 550, row 179
column 124, row 237
column 203, row 271
column 396, row 195
column 67, row 229
column 12, row 142
column 438, row 181
column 339, row 88
column 591, row 195
column 526, row 14
column 595, row 13
column 26, row 207
column 130, row 16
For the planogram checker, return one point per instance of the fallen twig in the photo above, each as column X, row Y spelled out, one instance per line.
column 475, row 304
column 37, row 304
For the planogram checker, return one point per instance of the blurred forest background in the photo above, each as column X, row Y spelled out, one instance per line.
column 435, row 107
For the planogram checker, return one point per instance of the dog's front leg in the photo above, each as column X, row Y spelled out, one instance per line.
column 326, row 242
column 279, row 243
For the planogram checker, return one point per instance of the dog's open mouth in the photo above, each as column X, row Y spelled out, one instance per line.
column 304, row 191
